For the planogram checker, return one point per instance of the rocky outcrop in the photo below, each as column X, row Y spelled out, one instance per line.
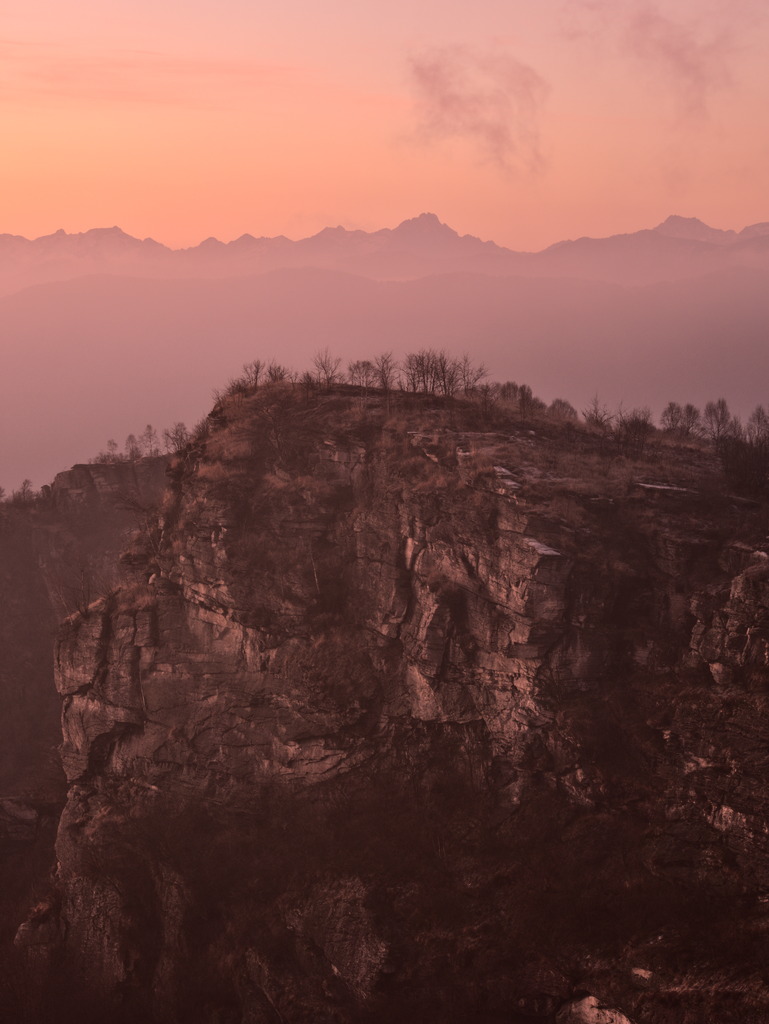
column 391, row 723
column 589, row 1011
column 104, row 486
column 58, row 552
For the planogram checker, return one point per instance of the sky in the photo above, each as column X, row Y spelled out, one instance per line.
column 522, row 121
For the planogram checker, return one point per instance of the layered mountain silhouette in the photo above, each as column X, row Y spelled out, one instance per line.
column 103, row 333
column 679, row 247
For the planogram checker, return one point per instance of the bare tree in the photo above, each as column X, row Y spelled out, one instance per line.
column 683, row 421
column 25, row 493
column 149, row 441
column 110, row 455
column 470, row 374
column 508, row 391
column 362, row 373
column 717, row 420
column 560, row 409
column 132, row 448
column 691, row 421
column 672, row 417
column 526, row 401
column 176, row 438
column 489, row 396
column 597, row 415
column 386, row 371
column 430, row 372
column 326, row 367
column 277, row 373
column 758, row 425
column 201, row 430
column 77, row 581
column 447, row 374
column 632, row 430
column 411, row 377
column 253, row 372
column 309, row 385
column 437, row 372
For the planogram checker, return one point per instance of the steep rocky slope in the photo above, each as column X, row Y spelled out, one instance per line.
column 57, row 553
column 427, row 717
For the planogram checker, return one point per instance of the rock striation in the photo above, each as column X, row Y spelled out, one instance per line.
column 387, row 720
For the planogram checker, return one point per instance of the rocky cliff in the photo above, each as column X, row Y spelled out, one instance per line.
column 422, row 717
column 57, row 553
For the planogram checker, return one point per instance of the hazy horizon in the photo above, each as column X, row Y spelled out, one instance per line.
column 254, row 231
column 536, row 133
column 97, row 347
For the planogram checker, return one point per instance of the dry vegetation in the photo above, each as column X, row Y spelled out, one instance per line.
column 495, row 437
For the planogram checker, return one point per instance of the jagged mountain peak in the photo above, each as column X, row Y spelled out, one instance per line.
column 694, row 229
column 105, row 239
column 113, row 232
column 426, row 225
column 676, row 220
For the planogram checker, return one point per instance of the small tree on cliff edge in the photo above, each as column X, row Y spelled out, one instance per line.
column 149, row 441
column 326, row 367
column 132, row 448
column 176, row 438
column 386, row 371
column 25, row 494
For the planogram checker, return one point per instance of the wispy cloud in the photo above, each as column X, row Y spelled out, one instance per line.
column 694, row 56
column 491, row 99
column 695, row 50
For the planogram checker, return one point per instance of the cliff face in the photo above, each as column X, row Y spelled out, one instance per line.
column 109, row 487
column 448, row 724
column 57, row 553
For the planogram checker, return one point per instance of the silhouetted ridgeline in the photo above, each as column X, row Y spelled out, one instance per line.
column 743, row 449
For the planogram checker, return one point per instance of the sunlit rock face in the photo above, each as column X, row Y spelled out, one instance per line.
column 414, row 714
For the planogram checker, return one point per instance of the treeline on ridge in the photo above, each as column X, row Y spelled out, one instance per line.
column 743, row 449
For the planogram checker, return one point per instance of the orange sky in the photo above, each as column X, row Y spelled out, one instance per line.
column 525, row 122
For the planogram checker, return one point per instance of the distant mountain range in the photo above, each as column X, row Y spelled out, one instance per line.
column 101, row 333
column 680, row 247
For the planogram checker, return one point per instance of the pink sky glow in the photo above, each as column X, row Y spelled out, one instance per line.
column 522, row 122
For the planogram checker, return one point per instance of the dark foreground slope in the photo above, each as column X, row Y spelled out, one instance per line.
column 408, row 715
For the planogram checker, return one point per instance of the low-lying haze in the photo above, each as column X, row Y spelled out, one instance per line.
column 104, row 333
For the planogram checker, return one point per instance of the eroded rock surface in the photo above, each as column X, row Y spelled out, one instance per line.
column 372, row 733
column 58, row 552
